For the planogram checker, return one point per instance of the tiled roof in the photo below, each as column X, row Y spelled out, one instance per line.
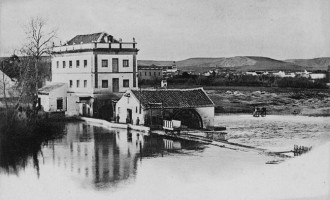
column 89, row 38
column 48, row 88
column 174, row 98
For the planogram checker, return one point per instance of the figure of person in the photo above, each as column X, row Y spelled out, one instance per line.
column 137, row 121
column 117, row 118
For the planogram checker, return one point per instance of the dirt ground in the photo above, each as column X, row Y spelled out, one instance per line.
column 277, row 102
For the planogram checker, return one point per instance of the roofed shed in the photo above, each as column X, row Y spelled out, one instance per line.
column 192, row 107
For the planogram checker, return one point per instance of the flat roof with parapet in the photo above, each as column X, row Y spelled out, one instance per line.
column 96, row 42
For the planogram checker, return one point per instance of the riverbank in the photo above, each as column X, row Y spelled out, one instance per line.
column 277, row 102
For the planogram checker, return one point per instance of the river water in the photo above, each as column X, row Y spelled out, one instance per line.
column 94, row 162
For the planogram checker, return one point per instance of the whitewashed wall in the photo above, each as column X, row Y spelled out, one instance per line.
column 73, row 107
column 129, row 103
column 207, row 115
column 44, row 101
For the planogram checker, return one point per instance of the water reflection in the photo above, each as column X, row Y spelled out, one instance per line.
column 100, row 157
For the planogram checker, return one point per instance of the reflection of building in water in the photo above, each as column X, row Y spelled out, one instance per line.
column 95, row 154
column 115, row 156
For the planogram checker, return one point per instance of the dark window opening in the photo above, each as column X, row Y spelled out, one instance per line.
column 125, row 63
column 59, row 104
column 125, row 83
column 104, row 63
column 104, row 83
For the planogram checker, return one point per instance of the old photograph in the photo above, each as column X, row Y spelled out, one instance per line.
column 165, row 99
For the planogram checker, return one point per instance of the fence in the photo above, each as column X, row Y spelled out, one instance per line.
column 298, row 150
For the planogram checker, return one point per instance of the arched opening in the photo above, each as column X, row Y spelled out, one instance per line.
column 189, row 118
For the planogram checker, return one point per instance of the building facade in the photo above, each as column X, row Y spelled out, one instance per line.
column 97, row 68
column 151, row 72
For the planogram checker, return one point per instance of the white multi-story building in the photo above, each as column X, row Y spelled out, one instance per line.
column 97, row 68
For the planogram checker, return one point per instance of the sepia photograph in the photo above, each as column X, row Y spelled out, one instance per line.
column 165, row 99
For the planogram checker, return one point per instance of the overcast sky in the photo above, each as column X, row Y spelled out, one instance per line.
column 179, row 29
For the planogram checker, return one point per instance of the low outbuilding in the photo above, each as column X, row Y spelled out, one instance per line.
column 53, row 97
column 150, row 107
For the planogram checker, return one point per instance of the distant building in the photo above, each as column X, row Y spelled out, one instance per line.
column 192, row 107
column 150, row 72
column 283, row 74
column 251, row 73
column 304, row 74
column 315, row 76
column 97, row 68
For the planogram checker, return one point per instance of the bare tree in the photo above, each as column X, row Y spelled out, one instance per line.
column 39, row 43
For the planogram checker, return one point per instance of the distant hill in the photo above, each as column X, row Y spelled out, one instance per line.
column 312, row 64
column 239, row 63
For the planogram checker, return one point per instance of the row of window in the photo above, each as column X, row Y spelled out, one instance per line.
column 77, row 83
column 70, row 64
column 105, row 83
column 104, row 63
column 115, row 61
column 150, row 74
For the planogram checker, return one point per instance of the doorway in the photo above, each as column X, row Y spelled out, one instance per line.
column 115, row 85
column 129, row 116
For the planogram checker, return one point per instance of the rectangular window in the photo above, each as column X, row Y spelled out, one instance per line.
column 70, row 64
column 104, row 63
column 70, row 84
column 136, row 109
column 154, row 73
column 125, row 83
column 77, row 63
column 149, row 73
column 145, row 73
column 85, row 83
column 104, row 83
column 57, row 64
column 125, row 63
column 85, row 63
column 78, row 83
column 115, row 65
column 63, row 64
